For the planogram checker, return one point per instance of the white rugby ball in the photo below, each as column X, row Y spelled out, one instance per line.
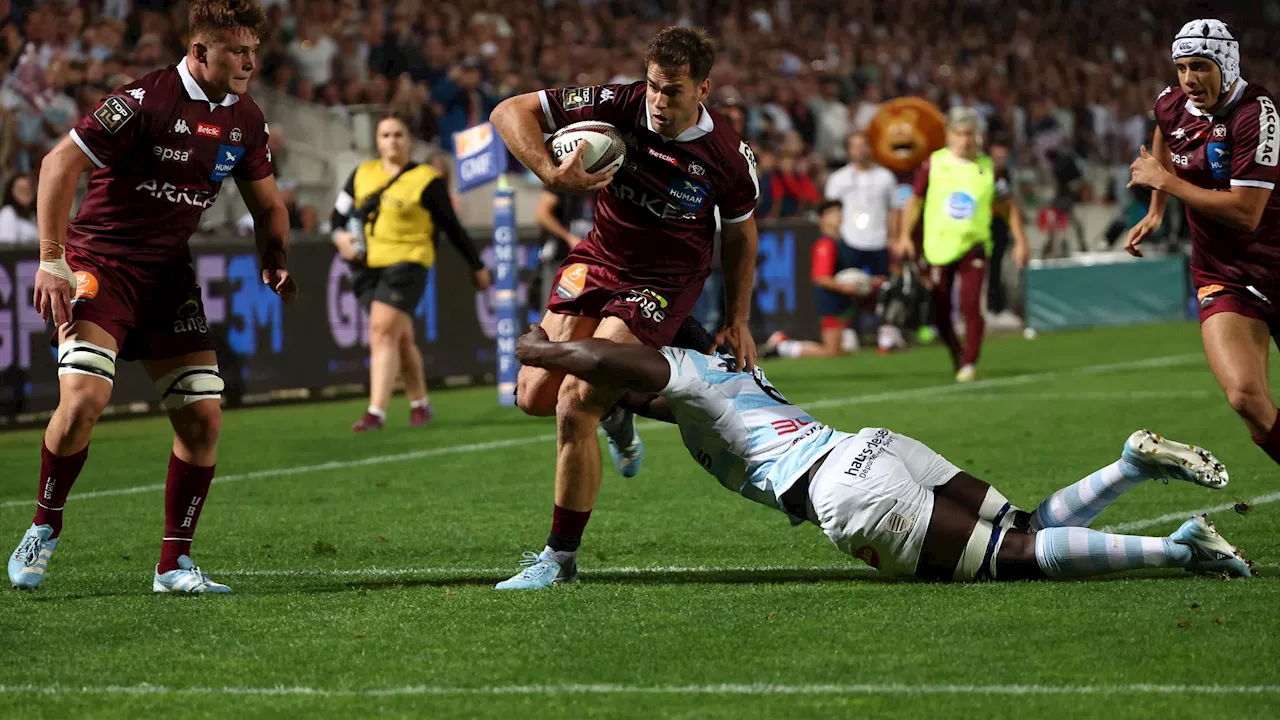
column 605, row 147
column 855, row 278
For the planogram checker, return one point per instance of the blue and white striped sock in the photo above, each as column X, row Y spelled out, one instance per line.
column 1081, row 552
column 1080, row 504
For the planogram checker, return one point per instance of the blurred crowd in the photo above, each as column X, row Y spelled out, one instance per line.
column 1064, row 83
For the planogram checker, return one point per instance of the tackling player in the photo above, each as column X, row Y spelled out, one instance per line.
column 639, row 271
column 885, row 498
column 1217, row 149
column 157, row 150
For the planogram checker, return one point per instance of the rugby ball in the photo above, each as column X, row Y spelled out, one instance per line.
column 605, row 147
column 855, row 278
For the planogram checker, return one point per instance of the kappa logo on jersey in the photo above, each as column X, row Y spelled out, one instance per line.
column 668, row 159
column 207, row 130
column 1206, row 294
column 579, row 97
column 689, row 194
column 1219, row 155
column 573, row 281
column 1268, row 120
column 137, row 94
column 606, row 94
column 1178, row 134
column 165, row 153
column 228, row 156
column 1168, row 89
column 181, row 127
column 190, row 318
column 113, row 114
column 236, row 135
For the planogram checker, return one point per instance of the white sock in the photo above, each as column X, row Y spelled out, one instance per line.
column 1081, row 552
column 378, row 412
column 566, row 558
column 420, row 402
column 790, row 348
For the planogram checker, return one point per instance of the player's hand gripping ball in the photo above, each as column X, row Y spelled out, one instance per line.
column 587, row 154
column 905, row 132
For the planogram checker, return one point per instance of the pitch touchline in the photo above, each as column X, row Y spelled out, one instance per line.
column 513, row 442
column 1132, row 525
column 613, row 689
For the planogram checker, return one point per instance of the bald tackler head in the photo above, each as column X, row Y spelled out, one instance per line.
column 1212, row 40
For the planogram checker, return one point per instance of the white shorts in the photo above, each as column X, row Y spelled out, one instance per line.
column 874, row 497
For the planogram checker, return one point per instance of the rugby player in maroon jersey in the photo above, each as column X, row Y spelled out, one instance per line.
column 117, row 280
column 1217, row 149
column 638, row 273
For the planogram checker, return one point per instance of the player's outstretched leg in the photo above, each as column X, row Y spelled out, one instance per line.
column 1146, row 456
column 191, row 390
column 86, row 370
column 625, row 446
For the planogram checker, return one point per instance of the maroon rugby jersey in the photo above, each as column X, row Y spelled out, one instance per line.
column 1238, row 147
column 657, row 217
column 162, row 150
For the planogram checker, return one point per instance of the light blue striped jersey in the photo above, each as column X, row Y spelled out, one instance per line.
column 741, row 429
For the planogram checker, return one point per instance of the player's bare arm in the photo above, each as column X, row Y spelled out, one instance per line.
column 1155, row 213
column 599, row 362
column 271, row 230
column 1021, row 250
column 906, row 247
column 740, row 242
column 59, row 173
column 1240, row 208
column 521, row 124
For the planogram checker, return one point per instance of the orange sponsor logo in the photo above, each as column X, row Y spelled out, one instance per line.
column 86, row 286
column 1207, row 292
column 573, row 281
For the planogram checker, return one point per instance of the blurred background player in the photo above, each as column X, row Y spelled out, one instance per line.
column 639, row 271
column 1217, row 149
column 885, row 498
column 385, row 221
column 158, row 149
column 564, row 218
column 957, row 189
column 867, row 193
column 835, row 300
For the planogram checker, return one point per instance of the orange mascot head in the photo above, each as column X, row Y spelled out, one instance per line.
column 905, row 132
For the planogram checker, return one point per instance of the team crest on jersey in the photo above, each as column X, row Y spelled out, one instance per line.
column 236, row 135
column 1207, row 294
column 226, row 161
column 1219, row 155
column 689, row 194
column 1219, row 132
column 113, row 114
column 579, row 97
column 573, row 281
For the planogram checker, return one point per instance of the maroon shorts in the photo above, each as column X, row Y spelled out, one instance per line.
column 154, row 312
column 653, row 310
column 1223, row 297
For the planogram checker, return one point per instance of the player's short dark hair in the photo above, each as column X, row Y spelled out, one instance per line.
column 399, row 117
column 212, row 16
column 675, row 47
column 826, row 205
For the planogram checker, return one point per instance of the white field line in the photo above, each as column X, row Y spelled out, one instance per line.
column 867, row 689
column 932, row 390
column 1132, row 525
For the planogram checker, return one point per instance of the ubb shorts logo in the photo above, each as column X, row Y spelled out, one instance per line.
column 573, row 281
column 1206, row 294
column 961, row 206
column 868, row 555
column 86, row 286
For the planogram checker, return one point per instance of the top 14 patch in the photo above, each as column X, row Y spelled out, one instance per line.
column 579, row 97
column 113, row 114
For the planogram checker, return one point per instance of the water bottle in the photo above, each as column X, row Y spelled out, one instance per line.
column 355, row 226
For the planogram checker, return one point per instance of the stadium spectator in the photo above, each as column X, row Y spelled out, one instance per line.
column 18, row 214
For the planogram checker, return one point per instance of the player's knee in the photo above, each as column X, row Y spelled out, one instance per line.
column 190, row 384
column 536, row 392
column 575, row 413
column 1247, row 398
column 383, row 333
column 81, row 410
column 199, row 424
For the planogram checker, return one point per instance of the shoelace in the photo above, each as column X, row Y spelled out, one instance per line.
column 28, row 550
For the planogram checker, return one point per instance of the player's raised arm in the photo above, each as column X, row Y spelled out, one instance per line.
column 522, row 122
column 271, row 231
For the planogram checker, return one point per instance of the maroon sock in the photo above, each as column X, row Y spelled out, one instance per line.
column 1271, row 443
column 566, row 529
column 57, row 475
column 184, row 492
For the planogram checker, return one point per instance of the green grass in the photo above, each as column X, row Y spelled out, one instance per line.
column 686, row 586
